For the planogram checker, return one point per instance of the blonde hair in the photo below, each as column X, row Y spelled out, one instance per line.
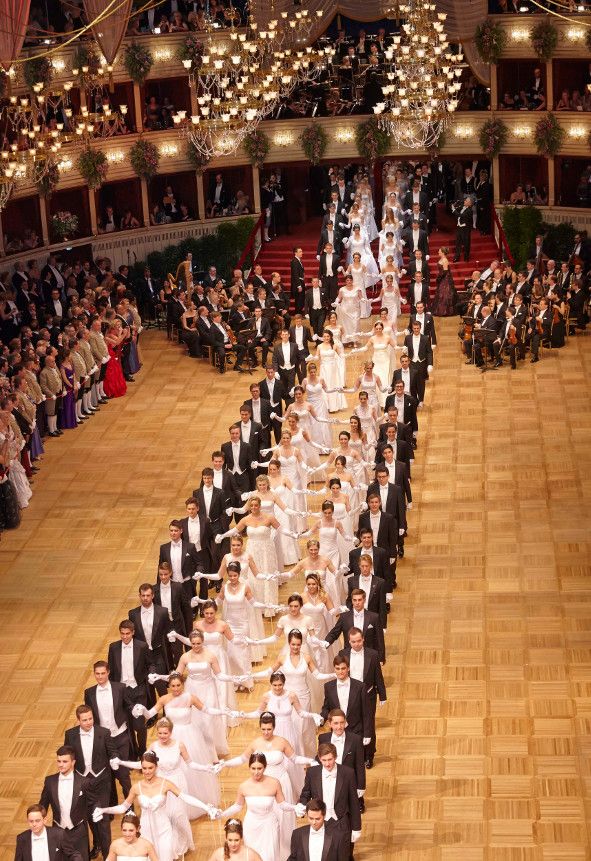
column 321, row 593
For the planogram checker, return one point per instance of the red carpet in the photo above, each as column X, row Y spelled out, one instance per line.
column 275, row 256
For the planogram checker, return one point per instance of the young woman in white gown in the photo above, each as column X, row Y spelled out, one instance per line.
column 358, row 244
column 342, row 514
column 333, row 326
column 309, row 419
column 203, row 671
column 150, row 794
column 315, row 388
column 330, row 355
column 234, row 846
column 390, row 298
column 302, row 440
column 200, row 755
column 369, row 382
column 248, row 574
column 390, row 247
column 368, row 416
column 328, row 530
column 237, row 602
column 218, row 634
column 358, row 271
column 349, row 310
column 282, row 487
column 264, row 801
column 273, row 504
column 294, row 468
column 383, row 350
column 131, row 844
column 318, row 606
column 354, row 460
column 358, row 442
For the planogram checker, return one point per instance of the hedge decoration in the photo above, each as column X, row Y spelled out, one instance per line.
column 372, row 141
column 493, row 137
column 490, row 40
column 37, row 71
column 92, row 165
column 138, row 61
column 256, row 145
column 145, row 159
column 544, row 39
column 314, row 141
column 549, row 136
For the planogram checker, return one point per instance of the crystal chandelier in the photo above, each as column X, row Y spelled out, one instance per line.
column 422, row 79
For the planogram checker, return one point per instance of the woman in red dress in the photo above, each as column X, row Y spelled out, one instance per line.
column 114, row 383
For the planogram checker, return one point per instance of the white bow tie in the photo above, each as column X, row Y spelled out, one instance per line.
column 329, row 774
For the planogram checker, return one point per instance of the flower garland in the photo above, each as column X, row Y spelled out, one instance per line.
column 493, row 137
column 138, row 61
column 490, row 40
column 37, row 71
column 372, row 141
column 549, row 136
column 313, row 141
column 197, row 159
column 64, row 224
column 544, row 39
column 191, row 48
column 92, row 165
column 46, row 177
column 256, row 145
column 145, row 159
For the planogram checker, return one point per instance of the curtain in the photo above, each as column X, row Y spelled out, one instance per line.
column 15, row 15
column 108, row 32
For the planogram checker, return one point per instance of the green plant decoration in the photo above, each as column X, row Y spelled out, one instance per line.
column 549, row 136
column 490, row 40
column 145, row 159
column 372, row 141
column 544, row 39
column 493, row 137
column 46, row 176
column 313, row 141
column 138, row 61
column 37, row 71
column 92, row 165
column 256, row 145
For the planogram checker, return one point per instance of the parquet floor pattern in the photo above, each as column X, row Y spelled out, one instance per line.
column 484, row 747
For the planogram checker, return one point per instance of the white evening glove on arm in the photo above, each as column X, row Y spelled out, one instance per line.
column 156, row 677
column 97, row 813
column 235, row 761
column 300, row 810
column 229, row 534
column 212, row 812
column 141, row 711
column 267, row 641
column 128, row 763
column 323, row 677
column 355, row 835
column 302, row 760
column 318, row 719
column 231, row 810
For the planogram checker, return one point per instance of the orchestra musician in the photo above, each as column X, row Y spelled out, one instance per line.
column 540, row 324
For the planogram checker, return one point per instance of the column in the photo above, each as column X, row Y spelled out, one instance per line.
column 494, row 90
column 137, row 104
column 92, row 211
column 551, row 182
column 200, row 195
column 549, row 86
column 44, row 220
column 145, row 203
column 1, row 233
column 496, row 178
column 256, row 188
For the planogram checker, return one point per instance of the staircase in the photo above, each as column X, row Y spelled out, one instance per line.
column 276, row 256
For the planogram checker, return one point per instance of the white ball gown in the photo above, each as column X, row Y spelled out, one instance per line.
column 349, row 312
column 216, row 643
column 382, row 361
column 156, row 825
column 262, row 549
column 201, row 750
column 261, row 826
column 171, row 766
column 202, row 683
column 319, row 400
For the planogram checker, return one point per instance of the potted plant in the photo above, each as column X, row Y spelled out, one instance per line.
column 490, row 40
column 256, row 145
column 493, row 137
column 46, row 175
column 144, row 158
column 314, row 141
column 92, row 165
column 544, row 39
column 549, row 136
column 138, row 61
column 372, row 141
column 64, row 225
column 37, row 71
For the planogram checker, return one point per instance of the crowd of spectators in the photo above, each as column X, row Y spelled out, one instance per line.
column 523, row 7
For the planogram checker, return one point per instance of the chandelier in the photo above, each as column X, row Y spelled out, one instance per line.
column 422, row 79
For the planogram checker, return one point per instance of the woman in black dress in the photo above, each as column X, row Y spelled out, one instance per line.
column 444, row 303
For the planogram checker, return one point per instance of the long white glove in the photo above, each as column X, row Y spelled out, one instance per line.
column 156, row 677
column 128, row 763
column 318, row 719
column 210, row 769
column 212, row 812
column 231, row 532
column 97, row 813
column 235, row 761
column 300, row 810
column 355, row 835
column 231, row 810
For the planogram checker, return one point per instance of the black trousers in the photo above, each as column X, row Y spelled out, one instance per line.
column 123, row 744
column 139, row 695
column 463, row 238
column 298, row 299
column 75, row 842
column 421, row 369
column 98, row 794
column 371, row 706
column 301, row 366
column 331, row 283
column 317, row 319
column 288, row 379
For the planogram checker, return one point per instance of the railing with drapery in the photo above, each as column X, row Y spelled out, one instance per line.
column 499, row 236
column 253, row 245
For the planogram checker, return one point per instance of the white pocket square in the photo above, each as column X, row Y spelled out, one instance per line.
column 369, row 626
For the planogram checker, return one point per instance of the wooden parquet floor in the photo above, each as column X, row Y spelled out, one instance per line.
column 485, row 747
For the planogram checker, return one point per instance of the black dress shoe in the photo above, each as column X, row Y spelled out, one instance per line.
column 369, row 763
column 387, row 606
column 94, row 852
column 394, row 585
column 400, row 552
column 535, row 359
column 362, row 805
column 469, row 362
column 130, row 379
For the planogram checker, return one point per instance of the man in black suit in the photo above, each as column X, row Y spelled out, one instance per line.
column 197, row 529
column 285, row 360
column 347, row 694
column 464, row 221
column 417, row 291
column 378, row 555
column 327, row 271
column 316, row 305
column 250, row 431
column 405, row 404
column 128, row 661
column 416, row 195
column 263, row 336
column 151, row 627
column 183, row 557
column 93, row 749
column 297, row 280
column 238, row 457
column 416, row 264
column 261, row 410
column 403, row 431
column 110, row 709
column 373, row 586
column 147, row 292
column 414, row 238
column 211, row 502
column 335, row 785
column 491, row 329
column 301, row 334
column 426, row 322
column 415, row 215
column 275, row 392
column 330, row 844
column 46, row 841
column 363, row 619
column 420, row 354
column 173, row 598
column 365, row 666
column 397, row 472
column 392, row 502
column 402, row 450
column 408, row 375
column 349, row 746
column 65, row 794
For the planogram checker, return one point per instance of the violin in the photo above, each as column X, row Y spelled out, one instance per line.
column 468, row 330
column 512, row 337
